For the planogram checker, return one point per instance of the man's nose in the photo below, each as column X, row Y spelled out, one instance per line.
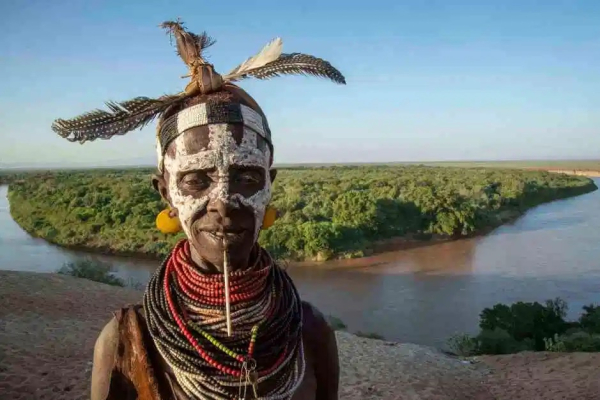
column 219, row 206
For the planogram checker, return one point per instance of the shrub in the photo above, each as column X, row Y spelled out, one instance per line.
column 554, row 344
column 336, row 324
column 523, row 321
column 463, row 345
column 93, row 270
column 531, row 326
column 498, row 341
column 580, row 341
column 369, row 335
column 590, row 319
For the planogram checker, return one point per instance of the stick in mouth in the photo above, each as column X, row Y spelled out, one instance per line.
column 226, row 275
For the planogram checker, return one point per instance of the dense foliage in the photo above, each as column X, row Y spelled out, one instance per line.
column 324, row 212
column 531, row 326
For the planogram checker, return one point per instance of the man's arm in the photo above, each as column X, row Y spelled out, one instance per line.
column 325, row 354
column 104, row 360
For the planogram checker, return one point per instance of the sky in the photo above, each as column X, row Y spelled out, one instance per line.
column 427, row 80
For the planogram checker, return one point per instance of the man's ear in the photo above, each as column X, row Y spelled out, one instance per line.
column 160, row 185
column 273, row 174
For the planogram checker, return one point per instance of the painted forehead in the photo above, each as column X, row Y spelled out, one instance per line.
column 211, row 146
column 198, row 139
column 213, row 114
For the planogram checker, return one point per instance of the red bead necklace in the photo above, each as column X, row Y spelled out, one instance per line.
column 245, row 287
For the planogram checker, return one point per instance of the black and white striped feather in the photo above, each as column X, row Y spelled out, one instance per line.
column 126, row 116
column 292, row 64
column 122, row 118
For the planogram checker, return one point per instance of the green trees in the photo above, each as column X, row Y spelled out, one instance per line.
column 533, row 326
column 532, row 322
column 339, row 211
column 356, row 209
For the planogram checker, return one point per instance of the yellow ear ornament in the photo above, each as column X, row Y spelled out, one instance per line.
column 269, row 218
column 167, row 224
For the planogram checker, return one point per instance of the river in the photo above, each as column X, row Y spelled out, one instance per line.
column 421, row 295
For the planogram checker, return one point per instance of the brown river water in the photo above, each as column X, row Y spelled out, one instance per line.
column 421, row 295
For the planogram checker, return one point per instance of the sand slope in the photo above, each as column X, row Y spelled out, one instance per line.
column 48, row 325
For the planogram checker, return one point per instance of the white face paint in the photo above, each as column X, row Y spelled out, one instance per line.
column 222, row 153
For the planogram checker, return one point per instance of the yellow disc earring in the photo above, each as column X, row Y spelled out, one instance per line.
column 269, row 218
column 167, row 224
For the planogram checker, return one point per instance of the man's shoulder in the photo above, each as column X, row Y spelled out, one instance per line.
column 313, row 320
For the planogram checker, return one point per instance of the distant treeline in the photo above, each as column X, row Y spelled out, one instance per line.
column 7, row 177
column 325, row 213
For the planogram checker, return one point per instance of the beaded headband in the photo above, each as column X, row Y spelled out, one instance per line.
column 136, row 113
column 205, row 114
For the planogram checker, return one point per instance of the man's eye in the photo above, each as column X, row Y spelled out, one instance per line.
column 250, row 177
column 195, row 181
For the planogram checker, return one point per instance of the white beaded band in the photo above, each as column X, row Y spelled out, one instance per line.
column 197, row 115
column 205, row 114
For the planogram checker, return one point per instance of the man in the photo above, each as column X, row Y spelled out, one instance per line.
column 219, row 320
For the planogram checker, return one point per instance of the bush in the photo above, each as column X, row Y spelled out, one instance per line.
column 555, row 344
column 369, row 335
column 531, row 326
column 93, row 270
column 590, row 319
column 336, row 324
column 577, row 341
column 499, row 341
column 463, row 345
column 522, row 321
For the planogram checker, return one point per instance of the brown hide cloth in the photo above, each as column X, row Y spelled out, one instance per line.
column 138, row 371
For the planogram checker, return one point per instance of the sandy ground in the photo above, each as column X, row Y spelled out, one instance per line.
column 48, row 325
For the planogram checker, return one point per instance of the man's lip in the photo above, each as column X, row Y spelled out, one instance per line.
column 223, row 230
column 221, row 233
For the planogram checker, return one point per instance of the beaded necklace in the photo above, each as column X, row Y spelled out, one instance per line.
column 185, row 312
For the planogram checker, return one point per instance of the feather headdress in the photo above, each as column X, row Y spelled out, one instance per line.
column 126, row 116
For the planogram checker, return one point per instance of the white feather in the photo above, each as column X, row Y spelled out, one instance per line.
column 269, row 53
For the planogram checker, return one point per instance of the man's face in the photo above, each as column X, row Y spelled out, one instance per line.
column 217, row 178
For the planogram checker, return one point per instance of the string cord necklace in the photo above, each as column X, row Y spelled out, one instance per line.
column 185, row 312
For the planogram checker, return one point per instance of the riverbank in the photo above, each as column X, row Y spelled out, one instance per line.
column 377, row 249
column 574, row 172
column 50, row 323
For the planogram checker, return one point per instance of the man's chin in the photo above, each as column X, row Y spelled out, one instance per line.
column 210, row 247
column 218, row 239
